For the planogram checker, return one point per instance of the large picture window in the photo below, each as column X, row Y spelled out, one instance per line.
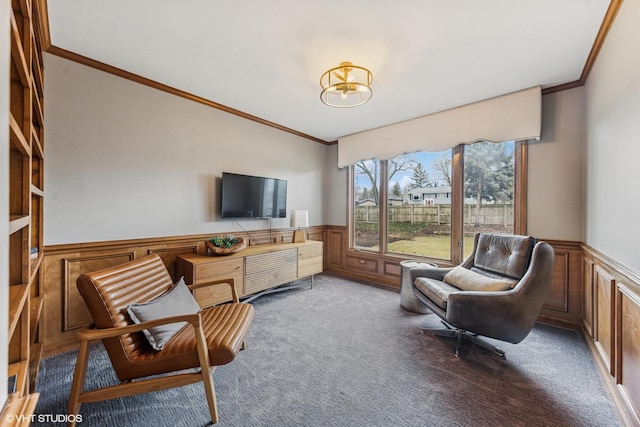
column 431, row 204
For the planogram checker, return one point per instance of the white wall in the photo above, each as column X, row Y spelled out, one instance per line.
column 613, row 142
column 5, row 54
column 555, row 194
column 126, row 161
column 335, row 207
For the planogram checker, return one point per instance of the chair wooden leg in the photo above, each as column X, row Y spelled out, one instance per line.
column 77, row 386
column 207, row 377
column 210, row 391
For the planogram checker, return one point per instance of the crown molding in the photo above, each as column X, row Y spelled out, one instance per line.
column 609, row 18
column 607, row 22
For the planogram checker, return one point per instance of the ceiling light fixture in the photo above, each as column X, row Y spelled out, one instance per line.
column 346, row 85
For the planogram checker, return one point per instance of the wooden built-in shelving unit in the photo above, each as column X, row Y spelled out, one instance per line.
column 26, row 209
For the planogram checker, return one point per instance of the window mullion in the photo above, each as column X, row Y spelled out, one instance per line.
column 457, row 204
column 520, row 188
column 383, row 204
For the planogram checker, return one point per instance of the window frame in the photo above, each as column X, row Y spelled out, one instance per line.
column 457, row 204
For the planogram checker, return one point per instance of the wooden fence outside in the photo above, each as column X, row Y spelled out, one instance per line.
column 439, row 214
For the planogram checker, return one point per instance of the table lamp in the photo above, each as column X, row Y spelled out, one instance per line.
column 299, row 219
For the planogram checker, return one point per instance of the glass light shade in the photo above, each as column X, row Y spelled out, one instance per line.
column 345, row 86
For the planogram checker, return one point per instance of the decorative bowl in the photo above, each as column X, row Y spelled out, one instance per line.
column 217, row 250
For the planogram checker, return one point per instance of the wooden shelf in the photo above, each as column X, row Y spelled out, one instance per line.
column 18, row 54
column 35, row 307
column 37, row 109
column 18, row 410
column 17, row 222
column 35, row 266
column 17, row 137
column 18, row 295
column 35, row 142
column 20, row 370
column 36, row 191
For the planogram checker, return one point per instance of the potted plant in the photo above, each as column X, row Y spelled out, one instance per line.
column 225, row 245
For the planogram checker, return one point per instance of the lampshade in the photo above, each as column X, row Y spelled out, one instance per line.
column 346, row 85
column 299, row 219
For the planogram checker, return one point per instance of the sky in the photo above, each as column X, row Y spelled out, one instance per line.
column 404, row 177
column 424, row 157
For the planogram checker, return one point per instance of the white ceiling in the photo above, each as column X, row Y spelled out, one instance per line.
column 265, row 58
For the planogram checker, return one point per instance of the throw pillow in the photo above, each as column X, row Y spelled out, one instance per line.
column 175, row 302
column 468, row 280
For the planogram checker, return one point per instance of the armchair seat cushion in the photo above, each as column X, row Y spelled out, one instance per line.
column 436, row 290
column 468, row 280
column 224, row 326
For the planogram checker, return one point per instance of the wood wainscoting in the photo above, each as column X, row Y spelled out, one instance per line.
column 65, row 312
column 563, row 305
column 589, row 292
column 611, row 320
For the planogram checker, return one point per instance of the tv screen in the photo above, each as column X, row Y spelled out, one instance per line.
column 245, row 196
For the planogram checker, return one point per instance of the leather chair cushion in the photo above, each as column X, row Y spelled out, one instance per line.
column 435, row 290
column 224, row 327
column 506, row 255
column 468, row 280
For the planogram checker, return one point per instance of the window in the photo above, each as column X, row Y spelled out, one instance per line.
column 431, row 205
column 421, row 225
column 366, row 198
column 488, row 190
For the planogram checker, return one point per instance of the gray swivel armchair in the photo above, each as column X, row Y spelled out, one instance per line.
column 497, row 292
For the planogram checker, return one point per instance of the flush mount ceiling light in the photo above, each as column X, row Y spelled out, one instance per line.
column 346, row 85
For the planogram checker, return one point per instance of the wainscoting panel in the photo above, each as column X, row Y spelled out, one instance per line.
column 169, row 256
column 558, row 296
column 628, row 364
column 587, row 295
column 65, row 312
column 334, row 247
column 616, row 329
column 362, row 265
column 563, row 305
column 392, row 269
column 76, row 314
column 604, row 332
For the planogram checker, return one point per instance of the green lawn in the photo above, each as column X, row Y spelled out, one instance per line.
column 435, row 246
column 432, row 246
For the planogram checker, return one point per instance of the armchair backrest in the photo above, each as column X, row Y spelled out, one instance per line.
column 502, row 255
column 109, row 292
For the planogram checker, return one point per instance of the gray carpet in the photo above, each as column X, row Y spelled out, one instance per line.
column 346, row 354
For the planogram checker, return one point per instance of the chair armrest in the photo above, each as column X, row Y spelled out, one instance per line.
column 229, row 281
column 436, row 273
column 88, row 334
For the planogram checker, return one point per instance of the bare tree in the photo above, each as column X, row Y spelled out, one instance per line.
column 442, row 168
column 370, row 169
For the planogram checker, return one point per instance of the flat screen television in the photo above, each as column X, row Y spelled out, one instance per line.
column 246, row 196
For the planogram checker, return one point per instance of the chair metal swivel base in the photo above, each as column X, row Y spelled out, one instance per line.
column 462, row 334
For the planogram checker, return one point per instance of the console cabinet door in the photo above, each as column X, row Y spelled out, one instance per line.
column 309, row 260
column 203, row 272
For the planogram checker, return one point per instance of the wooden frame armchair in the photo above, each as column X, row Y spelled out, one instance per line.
column 212, row 337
